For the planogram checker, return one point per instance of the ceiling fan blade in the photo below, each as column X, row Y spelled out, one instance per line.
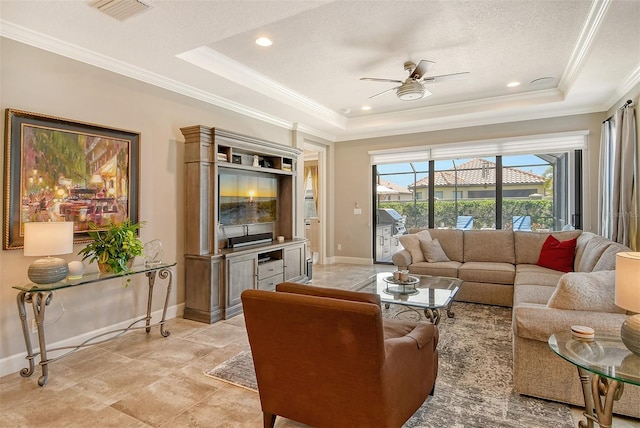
column 422, row 67
column 446, row 77
column 373, row 79
column 384, row 92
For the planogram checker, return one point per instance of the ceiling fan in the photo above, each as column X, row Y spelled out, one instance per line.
column 412, row 88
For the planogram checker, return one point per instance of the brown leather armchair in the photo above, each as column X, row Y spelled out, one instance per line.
column 327, row 358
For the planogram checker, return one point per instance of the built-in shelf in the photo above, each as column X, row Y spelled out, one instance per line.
column 215, row 276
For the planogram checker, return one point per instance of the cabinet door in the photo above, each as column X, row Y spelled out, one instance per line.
column 241, row 275
column 293, row 262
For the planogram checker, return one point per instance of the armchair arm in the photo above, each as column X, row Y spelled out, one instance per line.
column 538, row 322
column 401, row 259
column 425, row 334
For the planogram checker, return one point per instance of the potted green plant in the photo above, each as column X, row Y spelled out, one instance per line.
column 114, row 248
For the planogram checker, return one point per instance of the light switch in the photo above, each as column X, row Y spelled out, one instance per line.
column 357, row 211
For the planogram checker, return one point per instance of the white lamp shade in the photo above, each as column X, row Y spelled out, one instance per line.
column 628, row 281
column 48, row 238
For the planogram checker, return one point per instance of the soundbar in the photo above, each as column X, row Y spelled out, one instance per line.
column 258, row 238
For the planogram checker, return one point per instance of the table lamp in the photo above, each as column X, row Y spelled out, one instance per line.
column 628, row 297
column 48, row 239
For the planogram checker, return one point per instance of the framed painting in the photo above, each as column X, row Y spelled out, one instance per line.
column 61, row 170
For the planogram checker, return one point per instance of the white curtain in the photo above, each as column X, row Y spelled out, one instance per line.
column 618, row 190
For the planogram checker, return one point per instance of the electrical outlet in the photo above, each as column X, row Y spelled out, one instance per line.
column 339, row 247
column 34, row 326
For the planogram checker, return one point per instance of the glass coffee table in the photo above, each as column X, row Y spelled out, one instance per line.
column 604, row 366
column 429, row 293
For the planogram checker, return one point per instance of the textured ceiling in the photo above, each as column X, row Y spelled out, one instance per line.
column 589, row 53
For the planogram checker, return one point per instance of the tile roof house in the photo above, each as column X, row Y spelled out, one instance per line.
column 476, row 179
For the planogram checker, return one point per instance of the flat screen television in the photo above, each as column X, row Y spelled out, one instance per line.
column 247, row 198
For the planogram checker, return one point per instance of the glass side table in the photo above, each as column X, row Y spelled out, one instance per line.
column 604, row 366
column 40, row 295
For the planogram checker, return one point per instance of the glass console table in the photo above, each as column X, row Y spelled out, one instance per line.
column 40, row 295
column 604, row 365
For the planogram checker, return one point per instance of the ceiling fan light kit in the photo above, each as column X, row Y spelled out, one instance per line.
column 413, row 87
column 411, row 90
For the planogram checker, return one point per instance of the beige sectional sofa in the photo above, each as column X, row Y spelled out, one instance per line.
column 499, row 267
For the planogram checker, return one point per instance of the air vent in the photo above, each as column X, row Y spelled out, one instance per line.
column 120, row 9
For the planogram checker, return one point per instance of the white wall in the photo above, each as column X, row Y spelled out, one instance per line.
column 41, row 82
column 353, row 172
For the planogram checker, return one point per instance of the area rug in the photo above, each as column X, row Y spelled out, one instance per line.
column 474, row 387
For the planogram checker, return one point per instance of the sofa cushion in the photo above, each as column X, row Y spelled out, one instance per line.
column 537, row 275
column 557, row 255
column 433, row 252
column 607, row 260
column 528, row 294
column 411, row 243
column 449, row 269
column 586, row 291
column 591, row 253
column 451, row 241
column 489, row 246
column 529, row 244
column 487, row 272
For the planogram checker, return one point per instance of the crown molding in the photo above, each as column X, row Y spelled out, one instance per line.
column 60, row 47
column 495, row 106
column 587, row 36
column 627, row 85
column 221, row 65
column 466, row 120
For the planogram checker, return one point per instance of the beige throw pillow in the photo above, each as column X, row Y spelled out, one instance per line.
column 433, row 252
column 411, row 243
column 586, row 291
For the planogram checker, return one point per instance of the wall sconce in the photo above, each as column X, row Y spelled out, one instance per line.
column 628, row 297
column 48, row 239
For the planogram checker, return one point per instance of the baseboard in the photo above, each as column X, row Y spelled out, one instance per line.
column 17, row 362
column 352, row 260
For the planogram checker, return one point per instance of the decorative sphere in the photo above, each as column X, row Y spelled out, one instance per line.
column 76, row 269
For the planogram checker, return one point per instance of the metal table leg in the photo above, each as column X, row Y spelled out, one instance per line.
column 39, row 301
column 594, row 389
column 23, row 297
column 163, row 274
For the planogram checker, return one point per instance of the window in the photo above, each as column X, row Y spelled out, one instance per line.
column 510, row 188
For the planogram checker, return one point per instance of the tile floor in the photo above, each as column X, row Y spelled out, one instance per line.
column 142, row 380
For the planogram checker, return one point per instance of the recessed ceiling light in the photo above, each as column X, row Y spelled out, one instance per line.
column 366, row 107
column 513, row 84
column 264, row 41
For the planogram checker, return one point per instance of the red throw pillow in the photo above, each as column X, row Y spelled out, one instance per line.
column 558, row 255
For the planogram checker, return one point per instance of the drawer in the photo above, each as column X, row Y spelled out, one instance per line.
column 270, row 283
column 268, row 269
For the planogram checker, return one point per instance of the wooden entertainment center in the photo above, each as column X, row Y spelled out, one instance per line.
column 215, row 274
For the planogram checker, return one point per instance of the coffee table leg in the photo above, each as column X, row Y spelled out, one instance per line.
column 433, row 315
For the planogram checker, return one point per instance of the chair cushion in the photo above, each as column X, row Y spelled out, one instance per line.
column 451, row 241
column 557, row 255
column 433, row 252
column 489, row 246
column 538, row 275
column 411, row 243
column 527, row 294
column 449, row 269
column 586, row 291
column 487, row 272
column 607, row 260
column 529, row 244
column 590, row 255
